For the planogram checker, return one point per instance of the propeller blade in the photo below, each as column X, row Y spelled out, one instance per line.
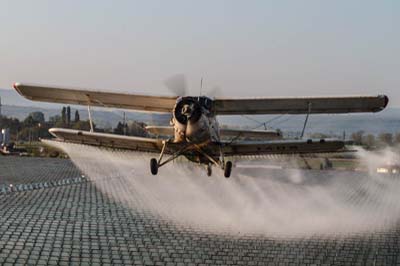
column 215, row 92
column 177, row 85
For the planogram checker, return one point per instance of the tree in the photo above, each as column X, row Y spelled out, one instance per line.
column 279, row 132
column 29, row 121
column 119, row 129
column 369, row 141
column 54, row 119
column 357, row 137
column 64, row 115
column 83, row 125
column 37, row 117
column 137, row 129
column 68, row 115
column 397, row 138
column 12, row 123
column 386, row 138
column 77, row 117
column 107, row 127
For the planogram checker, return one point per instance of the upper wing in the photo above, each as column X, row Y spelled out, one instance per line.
column 282, row 147
column 317, row 105
column 97, row 98
column 112, row 140
column 221, row 106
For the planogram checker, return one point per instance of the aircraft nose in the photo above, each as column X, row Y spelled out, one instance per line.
column 187, row 110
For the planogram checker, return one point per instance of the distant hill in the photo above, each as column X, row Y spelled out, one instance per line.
column 388, row 120
column 374, row 123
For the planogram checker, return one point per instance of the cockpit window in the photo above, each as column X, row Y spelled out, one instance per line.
column 205, row 102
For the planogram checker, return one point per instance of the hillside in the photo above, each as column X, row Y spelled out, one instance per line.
column 375, row 123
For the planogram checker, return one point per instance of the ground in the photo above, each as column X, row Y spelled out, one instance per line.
column 52, row 215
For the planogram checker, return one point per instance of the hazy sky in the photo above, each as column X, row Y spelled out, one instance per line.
column 248, row 48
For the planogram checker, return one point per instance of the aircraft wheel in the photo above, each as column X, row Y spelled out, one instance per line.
column 209, row 170
column 228, row 169
column 154, row 166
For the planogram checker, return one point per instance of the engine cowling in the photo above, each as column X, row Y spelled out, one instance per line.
column 189, row 119
column 187, row 108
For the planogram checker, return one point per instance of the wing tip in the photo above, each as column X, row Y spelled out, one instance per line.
column 386, row 99
column 53, row 131
column 16, row 85
column 385, row 103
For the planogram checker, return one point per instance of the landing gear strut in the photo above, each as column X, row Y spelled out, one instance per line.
column 155, row 164
column 226, row 167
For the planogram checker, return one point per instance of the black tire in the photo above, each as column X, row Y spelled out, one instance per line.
column 154, row 166
column 209, row 170
column 228, row 169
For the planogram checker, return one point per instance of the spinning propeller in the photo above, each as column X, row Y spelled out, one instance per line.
column 177, row 84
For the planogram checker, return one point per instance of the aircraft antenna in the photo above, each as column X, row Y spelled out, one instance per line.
column 201, row 85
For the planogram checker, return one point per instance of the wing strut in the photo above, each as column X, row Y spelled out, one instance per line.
column 173, row 156
column 155, row 164
column 305, row 121
column 90, row 118
column 90, row 113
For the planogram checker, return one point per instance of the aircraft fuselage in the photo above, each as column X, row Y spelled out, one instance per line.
column 195, row 122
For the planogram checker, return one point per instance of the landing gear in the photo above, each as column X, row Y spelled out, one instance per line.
column 228, row 169
column 219, row 162
column 154, row 166
column 209, row 170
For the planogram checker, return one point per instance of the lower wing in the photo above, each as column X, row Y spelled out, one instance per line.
column 240, row 148
column 112, row 140
column 244, row 148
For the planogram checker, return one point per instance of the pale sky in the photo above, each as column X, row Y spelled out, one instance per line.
column 247, row 48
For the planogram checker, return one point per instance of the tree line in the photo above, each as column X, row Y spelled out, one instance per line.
column 35, row 126
column 64, row 120
column 371, row 141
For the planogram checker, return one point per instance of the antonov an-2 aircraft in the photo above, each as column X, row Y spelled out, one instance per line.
column 194, row 130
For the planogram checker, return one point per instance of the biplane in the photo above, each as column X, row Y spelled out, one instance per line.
column 194, row 130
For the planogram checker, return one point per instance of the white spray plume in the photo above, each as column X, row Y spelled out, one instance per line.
column 252, row 202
